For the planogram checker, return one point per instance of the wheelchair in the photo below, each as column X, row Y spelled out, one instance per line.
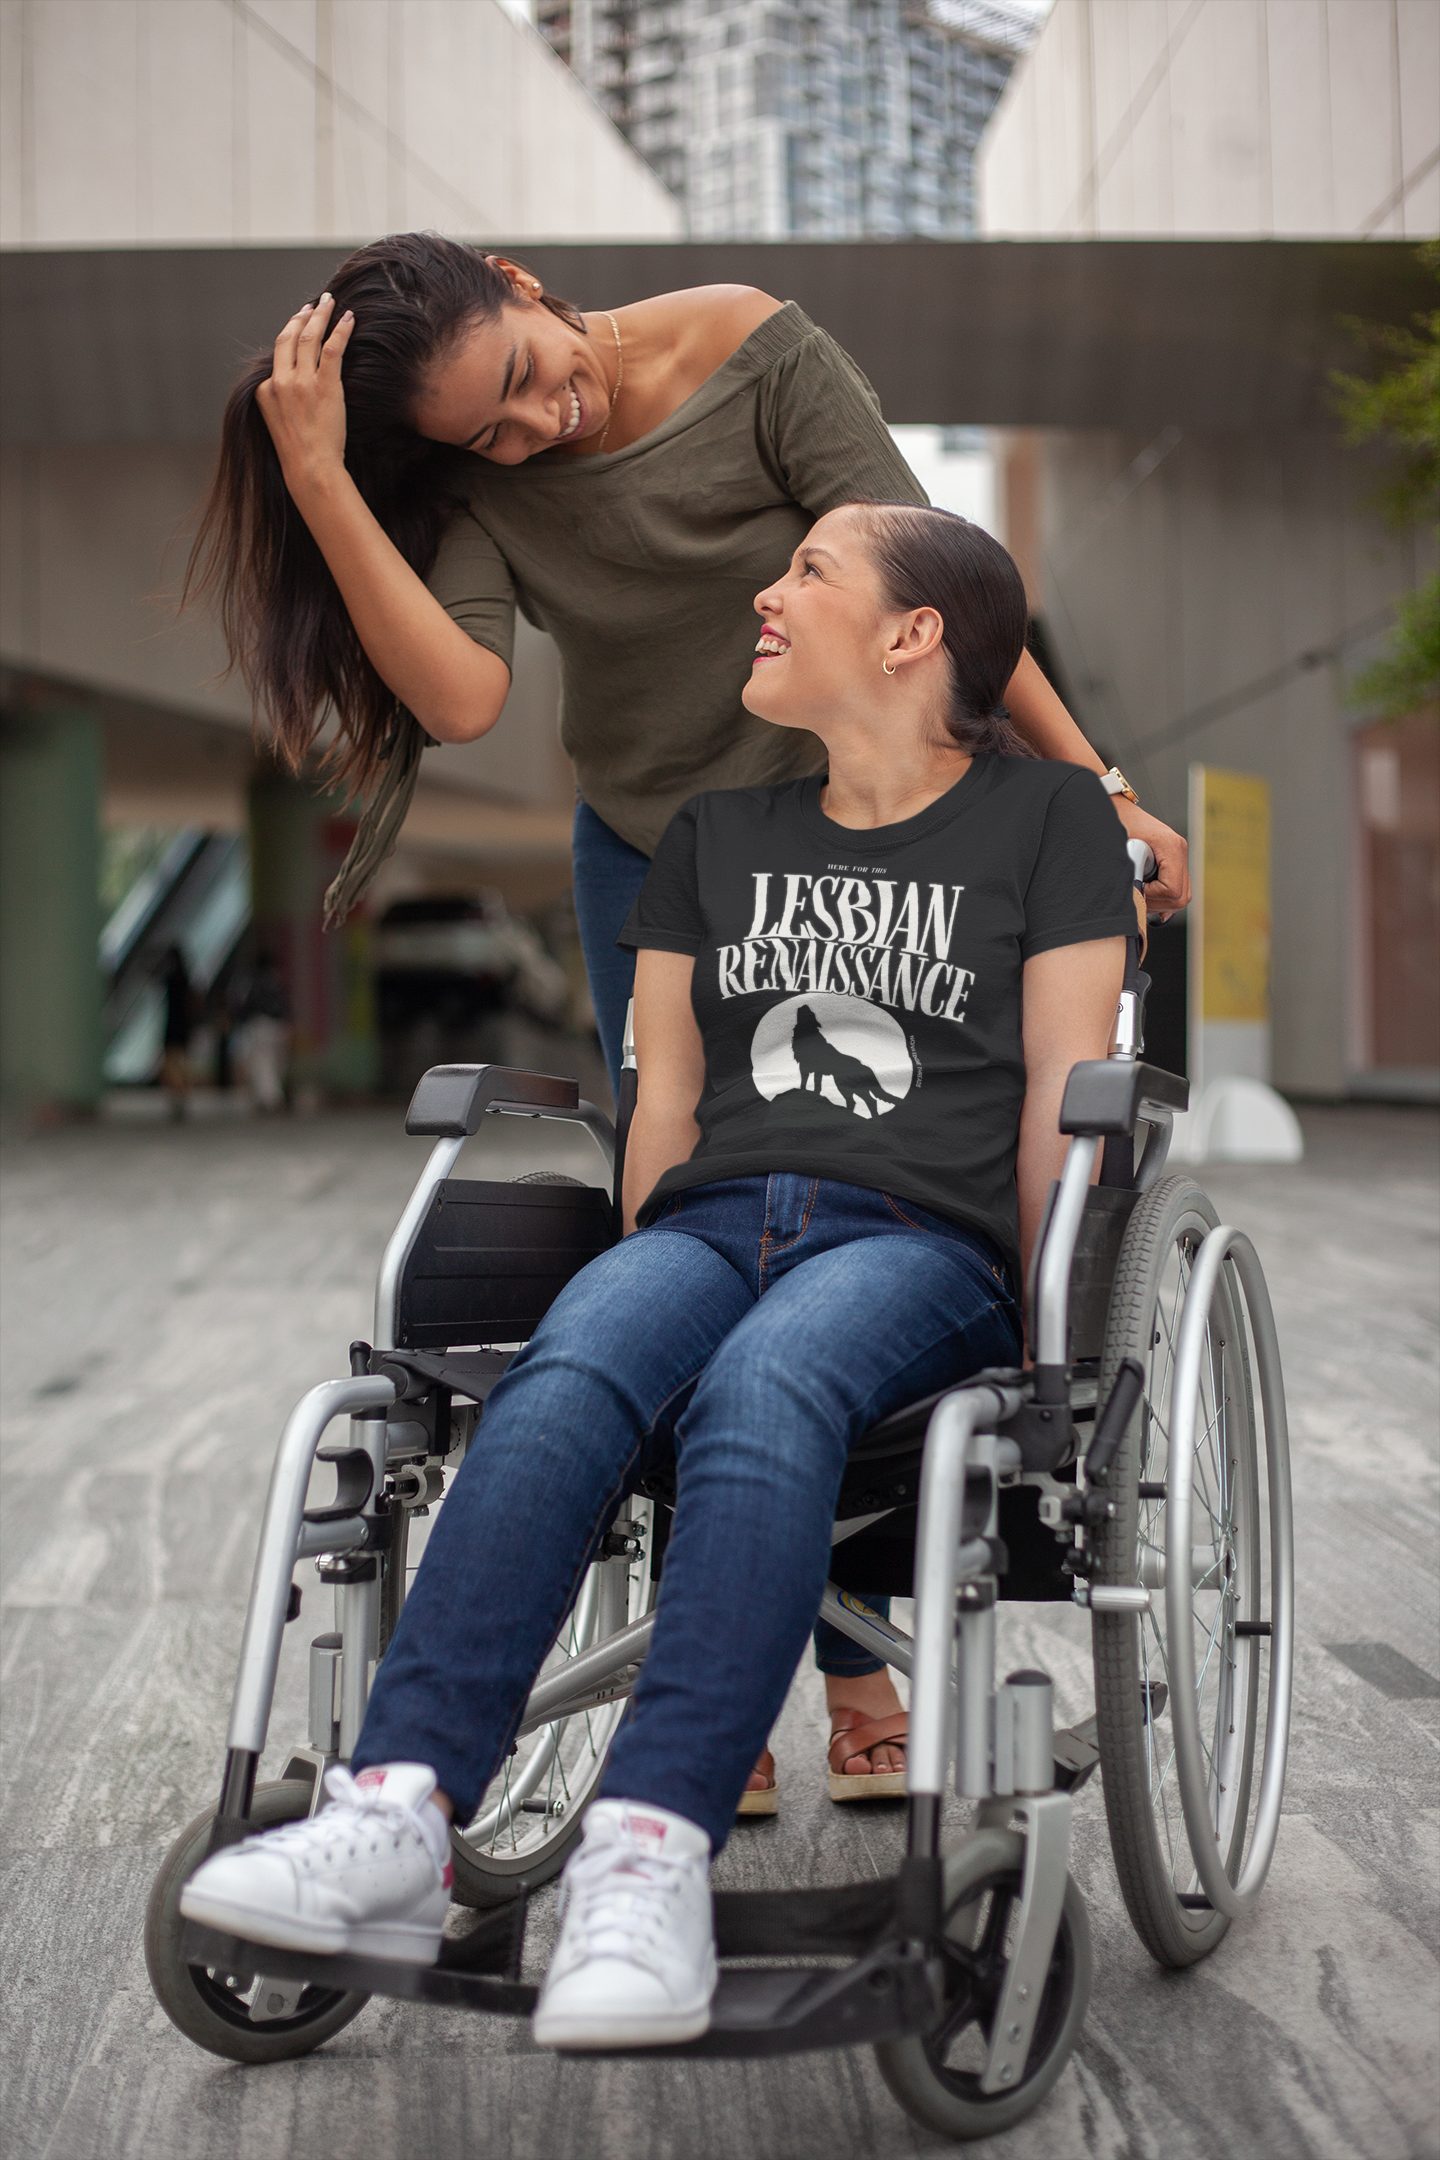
column 1139, row 1468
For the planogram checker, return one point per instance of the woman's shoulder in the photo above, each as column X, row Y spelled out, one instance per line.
column 726, row 808
column 1040, row 779
column 702, row 328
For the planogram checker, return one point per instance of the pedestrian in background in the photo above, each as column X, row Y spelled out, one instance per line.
column 179, row 1026
column 262, row 1032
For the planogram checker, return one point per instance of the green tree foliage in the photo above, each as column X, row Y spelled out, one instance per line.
column 1400, row 406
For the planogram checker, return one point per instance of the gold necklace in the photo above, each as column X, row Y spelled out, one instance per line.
column 619, row 376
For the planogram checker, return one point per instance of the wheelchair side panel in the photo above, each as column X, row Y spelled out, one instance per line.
column 490, row 1259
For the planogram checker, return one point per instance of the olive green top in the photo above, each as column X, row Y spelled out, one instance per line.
column 643, row 565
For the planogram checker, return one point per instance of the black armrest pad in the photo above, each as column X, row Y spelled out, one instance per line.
column 451, row 1099
column 1107, row 1095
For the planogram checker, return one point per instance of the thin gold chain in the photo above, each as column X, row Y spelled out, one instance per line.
column 619, row 375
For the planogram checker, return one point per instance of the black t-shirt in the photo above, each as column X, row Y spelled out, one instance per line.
column 859, row 993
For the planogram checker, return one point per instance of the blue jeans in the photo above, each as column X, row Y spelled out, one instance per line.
column 750, row 1337
column 608, row 876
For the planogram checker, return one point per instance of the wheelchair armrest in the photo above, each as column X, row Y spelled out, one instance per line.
column 450, row 1100
column 1105, row 1096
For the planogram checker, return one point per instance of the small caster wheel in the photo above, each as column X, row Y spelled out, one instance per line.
column 935, row 2076
column 238, row 2015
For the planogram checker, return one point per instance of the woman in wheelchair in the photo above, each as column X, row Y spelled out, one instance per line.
column 856, row 1005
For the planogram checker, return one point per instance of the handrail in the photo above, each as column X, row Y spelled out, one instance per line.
column 1218, row 1246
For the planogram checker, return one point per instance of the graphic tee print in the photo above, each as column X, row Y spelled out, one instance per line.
column 859, row 993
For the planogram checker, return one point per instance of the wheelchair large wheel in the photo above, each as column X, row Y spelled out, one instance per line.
column 532, row 1813
column 215, row 2009
column 936, row 2076
column 1144, row 1663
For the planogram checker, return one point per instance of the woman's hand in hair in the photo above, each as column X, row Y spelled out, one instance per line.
column 1170, row 887
column 303, row 403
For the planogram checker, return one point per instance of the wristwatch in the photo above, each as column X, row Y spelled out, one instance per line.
column 1115, row 783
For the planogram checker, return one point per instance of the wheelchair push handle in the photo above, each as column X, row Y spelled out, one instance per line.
column 1143, row 862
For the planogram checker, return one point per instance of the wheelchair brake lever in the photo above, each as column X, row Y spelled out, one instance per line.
column 1125, row 1393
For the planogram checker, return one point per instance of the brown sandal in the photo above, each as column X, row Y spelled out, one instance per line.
column 851, row 1733
column 762, row 1798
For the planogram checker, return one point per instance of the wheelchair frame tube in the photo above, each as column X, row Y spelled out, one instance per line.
column 1052, row 1294
column 1226, row 1897
column 938, row 1562
column 279, row 1539
column 866, row 1628
column 441, row 1162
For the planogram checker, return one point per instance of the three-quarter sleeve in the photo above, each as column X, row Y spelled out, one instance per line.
column 471, row 580
column 826, row 432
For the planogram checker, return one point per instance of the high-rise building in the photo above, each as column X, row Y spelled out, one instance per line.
column 823, row 119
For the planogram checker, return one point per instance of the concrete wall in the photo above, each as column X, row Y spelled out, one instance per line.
column 1209, row 597
column 1240, row 117
column 142, row 122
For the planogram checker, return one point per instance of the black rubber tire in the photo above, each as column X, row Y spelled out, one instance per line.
column 1173, row 1208
column 207, row 2012
column 950, row 2101
column 498, row 1881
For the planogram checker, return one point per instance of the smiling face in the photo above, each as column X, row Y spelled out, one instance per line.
column 828, row 632
column 522, row 383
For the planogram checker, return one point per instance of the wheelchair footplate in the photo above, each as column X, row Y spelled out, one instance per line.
column 888, row 1989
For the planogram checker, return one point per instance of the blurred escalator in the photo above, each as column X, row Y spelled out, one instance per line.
column 195, row 894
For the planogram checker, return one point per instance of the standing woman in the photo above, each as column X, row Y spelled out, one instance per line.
column 438, row 440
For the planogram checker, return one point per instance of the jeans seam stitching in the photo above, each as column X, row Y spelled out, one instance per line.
column 788, row 1244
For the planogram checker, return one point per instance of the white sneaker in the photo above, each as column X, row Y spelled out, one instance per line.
column 369, row 1874
column 635, row 1962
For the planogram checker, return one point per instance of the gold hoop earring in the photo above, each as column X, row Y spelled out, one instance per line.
column 885, row 664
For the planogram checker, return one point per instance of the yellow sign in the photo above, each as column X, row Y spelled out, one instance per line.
column 1234, row 834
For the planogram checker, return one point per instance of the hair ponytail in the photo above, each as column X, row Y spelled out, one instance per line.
column 932, row 558
column 285, row 625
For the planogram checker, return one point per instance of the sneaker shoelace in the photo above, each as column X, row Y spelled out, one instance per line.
column 354, row 1813
column 620, row 1892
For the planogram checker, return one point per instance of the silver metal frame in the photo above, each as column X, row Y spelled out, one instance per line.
column 1052, row 1291
column 957, row 1715
column 279, row 1546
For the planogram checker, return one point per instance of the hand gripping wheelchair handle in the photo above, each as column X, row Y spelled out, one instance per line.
column 451, row 1100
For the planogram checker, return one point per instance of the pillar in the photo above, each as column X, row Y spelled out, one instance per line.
column 298, row 839
column 51, row 765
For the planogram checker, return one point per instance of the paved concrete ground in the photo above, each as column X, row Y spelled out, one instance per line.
column 170, row 1292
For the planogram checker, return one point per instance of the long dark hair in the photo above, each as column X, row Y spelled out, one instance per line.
column 286, row 627
column 932, row 558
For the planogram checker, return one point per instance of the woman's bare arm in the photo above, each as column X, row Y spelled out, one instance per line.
column 454, row 687
column 671, row 1060
column 1071, row 996
column 1042, row 719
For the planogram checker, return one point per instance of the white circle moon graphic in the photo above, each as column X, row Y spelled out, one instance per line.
column 854, row 1053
